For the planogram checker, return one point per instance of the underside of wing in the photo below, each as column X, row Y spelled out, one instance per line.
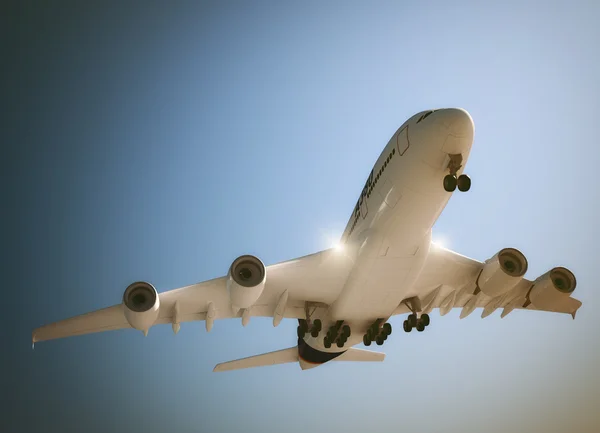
column 106, row 319
column 283, row 290
column 450, row 280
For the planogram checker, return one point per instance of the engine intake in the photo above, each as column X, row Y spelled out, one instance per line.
column 141, row 305
column 502, row 272
column 552, row 287
column 245, row 281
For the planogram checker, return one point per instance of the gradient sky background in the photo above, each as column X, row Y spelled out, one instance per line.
column 160, row 142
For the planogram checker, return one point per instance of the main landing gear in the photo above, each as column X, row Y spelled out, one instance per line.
column 314, row 328
column 338, row 334
column 378, row 332
column 416, row 322
column 463, row 182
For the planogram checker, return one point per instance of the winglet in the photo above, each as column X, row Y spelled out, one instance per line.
column 573, row 314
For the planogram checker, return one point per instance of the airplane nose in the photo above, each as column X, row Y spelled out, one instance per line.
column 458, row 126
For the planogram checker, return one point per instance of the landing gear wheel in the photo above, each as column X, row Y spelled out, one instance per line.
column 420, row 326
column 450, row 182
column 314, row 333
column 369, row 334
column 379, row 341
column 317, row 325
column 425, row 319
column 384, row 336
column 412, row 320
column 366, row 341
column 340, row 343
column 303, row 324
column 327, row 343
column 387, row 328
column 464, row 183
column 346, row 331
column 406, row 326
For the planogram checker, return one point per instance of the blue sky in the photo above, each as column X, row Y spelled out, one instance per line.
column 159, row 143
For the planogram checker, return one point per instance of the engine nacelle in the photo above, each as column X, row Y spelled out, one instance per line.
column 552, row 287
column 502, row 272
column 141, row 304
column 245, row 281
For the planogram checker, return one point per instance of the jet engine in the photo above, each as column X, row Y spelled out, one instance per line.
column 549, row 289
column 245, row 281
column 141, row 304
column 502, row 272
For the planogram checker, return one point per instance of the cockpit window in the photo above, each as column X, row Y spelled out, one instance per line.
column 424, row 116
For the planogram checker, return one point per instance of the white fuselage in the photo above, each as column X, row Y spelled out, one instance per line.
column 389, row 233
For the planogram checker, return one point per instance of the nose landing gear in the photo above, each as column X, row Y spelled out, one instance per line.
column 463, row 182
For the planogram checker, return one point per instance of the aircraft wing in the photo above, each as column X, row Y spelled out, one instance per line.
column 317, row 279
column 448, row 281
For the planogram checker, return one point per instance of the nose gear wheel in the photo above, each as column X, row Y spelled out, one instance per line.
column 451, row 181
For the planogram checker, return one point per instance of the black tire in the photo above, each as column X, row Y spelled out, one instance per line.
column 303, row 324
column 412, row 320
column 379, row 341
column 369, row 334
column 317, row 325
column 384, row 336
column 327, row 343
column 340, row 343
column 425, row 319
column 450, row 182
column 387, row 328
column 463, row 183
column 406, row 326
column 420, row 326
column 346, row 331
column 366, row 341
column 314, row 333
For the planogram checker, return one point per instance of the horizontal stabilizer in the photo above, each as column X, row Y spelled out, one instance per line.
column 360, row 355
column 272, row 358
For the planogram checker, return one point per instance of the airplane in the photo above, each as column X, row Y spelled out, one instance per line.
column 385, row 265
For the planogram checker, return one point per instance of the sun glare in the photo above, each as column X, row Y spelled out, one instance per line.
column 440, row 242
column 337, row 246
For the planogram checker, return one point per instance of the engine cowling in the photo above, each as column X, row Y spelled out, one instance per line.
column 552, row 287
column 502, row 272
column 245, row 281
column 141, row 305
